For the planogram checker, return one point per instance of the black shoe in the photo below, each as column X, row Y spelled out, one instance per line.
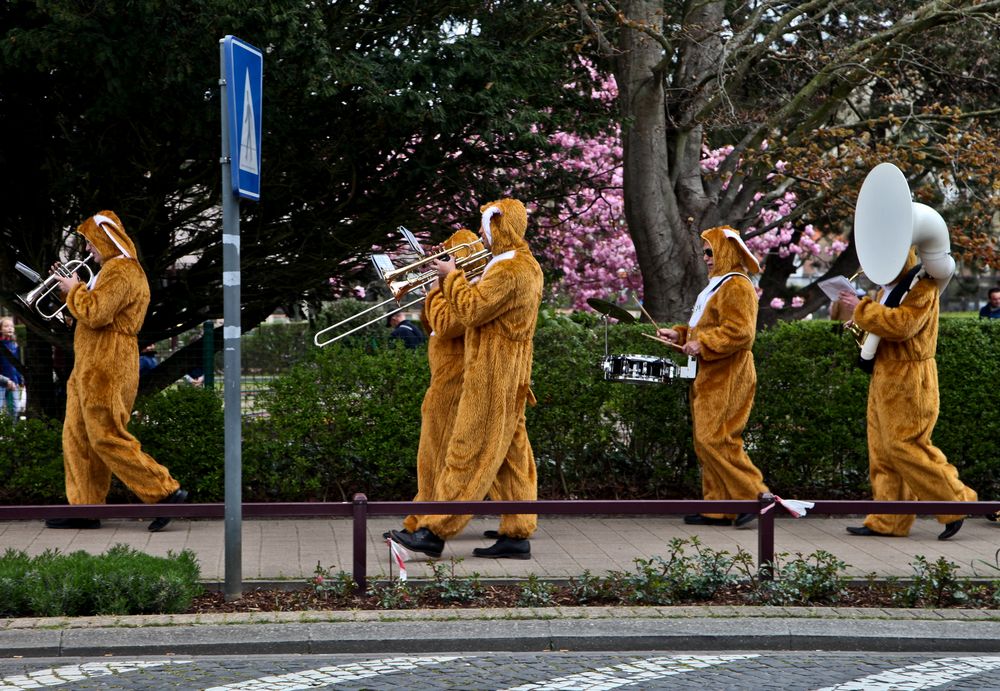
column 744, row 518
column 495, row 534
column 388, row 534
column 865, row 531
column 420, row 540
column 73, row 523
column 698, row 519
column 506, row 548
column 178, row 497
column 951, row 528
column 993, row 516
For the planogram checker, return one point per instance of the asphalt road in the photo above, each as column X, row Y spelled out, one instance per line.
column 590, row 671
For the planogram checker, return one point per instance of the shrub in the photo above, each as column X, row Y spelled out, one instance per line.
column 184, row 429
column 31, row 466
column 120, row 581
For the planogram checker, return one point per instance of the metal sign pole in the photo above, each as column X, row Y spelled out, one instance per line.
column 231, row 345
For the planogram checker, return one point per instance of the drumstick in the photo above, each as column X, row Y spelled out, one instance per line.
column 655, row 326
column 666, row 343
column 652, row 321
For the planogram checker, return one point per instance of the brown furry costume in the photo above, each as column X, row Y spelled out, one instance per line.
column 105, row 378
column 445, row 355
column 723, row 389
column 903, row 404
column 489, row 445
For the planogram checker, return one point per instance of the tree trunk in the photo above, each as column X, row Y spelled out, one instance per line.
column 665, row 204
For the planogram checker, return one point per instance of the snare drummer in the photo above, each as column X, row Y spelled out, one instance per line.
column 720, row 334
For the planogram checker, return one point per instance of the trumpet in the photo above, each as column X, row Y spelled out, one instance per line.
column 34, row 298
column 402, row 282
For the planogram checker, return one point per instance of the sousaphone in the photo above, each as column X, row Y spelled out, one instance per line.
column 886, row 223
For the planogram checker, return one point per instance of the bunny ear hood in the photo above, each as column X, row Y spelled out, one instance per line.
column 729, row 251
column 106, row 232
column 505, row 222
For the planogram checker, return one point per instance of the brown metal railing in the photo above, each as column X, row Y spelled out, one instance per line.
column 361, row 509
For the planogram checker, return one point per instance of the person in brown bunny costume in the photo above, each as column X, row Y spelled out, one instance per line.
column 445, row 355
column 903, row 405
column 488, row 451
column 102, row 387
column 721, row 333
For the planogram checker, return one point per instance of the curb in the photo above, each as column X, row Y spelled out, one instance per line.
column 699, row 628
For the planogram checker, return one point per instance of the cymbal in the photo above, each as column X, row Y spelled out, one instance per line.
column 611, row 310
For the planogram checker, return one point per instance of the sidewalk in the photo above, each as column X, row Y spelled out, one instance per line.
column 563, row 547
column 289, row 550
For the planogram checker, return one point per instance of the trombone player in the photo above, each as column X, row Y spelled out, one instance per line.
column 488, row 450
column 109, row 311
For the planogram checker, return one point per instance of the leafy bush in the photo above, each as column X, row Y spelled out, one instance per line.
column 346, row 419
column 340, row 422
column 31, row 466
column 120, row 581
column 184, row 429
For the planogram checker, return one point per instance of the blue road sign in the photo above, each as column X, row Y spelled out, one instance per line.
column 244, row 69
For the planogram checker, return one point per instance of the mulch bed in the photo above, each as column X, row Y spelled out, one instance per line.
column 504, row 596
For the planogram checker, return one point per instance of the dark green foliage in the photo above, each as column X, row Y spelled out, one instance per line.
column 120, row 581
column 346, row 419
column 815, row 579
column 934, row 584
column 342, row 421
column 183, row 428
column 682, row 578
column 807, row 430
column 31, row 467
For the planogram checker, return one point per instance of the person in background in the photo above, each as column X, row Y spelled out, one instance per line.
column 991, row 310
column 402, row 328
column 11, row 379
column 147, row 360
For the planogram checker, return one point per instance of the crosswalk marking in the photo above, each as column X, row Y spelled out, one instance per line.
column 926, row 675
column 70, row 673
column 630, row 673
column 325, row 676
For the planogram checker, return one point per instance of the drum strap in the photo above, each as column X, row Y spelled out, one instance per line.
column 707, row 292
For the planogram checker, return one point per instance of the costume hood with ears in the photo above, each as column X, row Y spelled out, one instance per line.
column 729, row 251
column 505, row 222
column 105, row 231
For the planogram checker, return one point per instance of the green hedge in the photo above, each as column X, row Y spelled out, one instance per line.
column 120, row 581
column 346, row 419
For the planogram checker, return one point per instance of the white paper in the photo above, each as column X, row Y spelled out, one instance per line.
column 831, row 287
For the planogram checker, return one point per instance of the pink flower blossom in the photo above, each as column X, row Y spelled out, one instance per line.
column 777, row 303
column 798, row 301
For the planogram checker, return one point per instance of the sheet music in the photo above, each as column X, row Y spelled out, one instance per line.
column 831, row 287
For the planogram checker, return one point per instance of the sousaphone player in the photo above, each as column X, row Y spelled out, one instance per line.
column 902, row 324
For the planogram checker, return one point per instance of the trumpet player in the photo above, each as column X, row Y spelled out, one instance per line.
column 903, row 404
column 102, row 387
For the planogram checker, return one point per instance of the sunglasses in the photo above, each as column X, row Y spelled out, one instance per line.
column 708, row 252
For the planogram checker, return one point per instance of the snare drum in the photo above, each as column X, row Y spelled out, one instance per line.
column 638, row 369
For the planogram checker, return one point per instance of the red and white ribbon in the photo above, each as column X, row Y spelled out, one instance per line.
column 399, row 554
column 795, row 507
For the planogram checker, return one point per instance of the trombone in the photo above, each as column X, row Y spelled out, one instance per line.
column 401, row 284
column 33, row 298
